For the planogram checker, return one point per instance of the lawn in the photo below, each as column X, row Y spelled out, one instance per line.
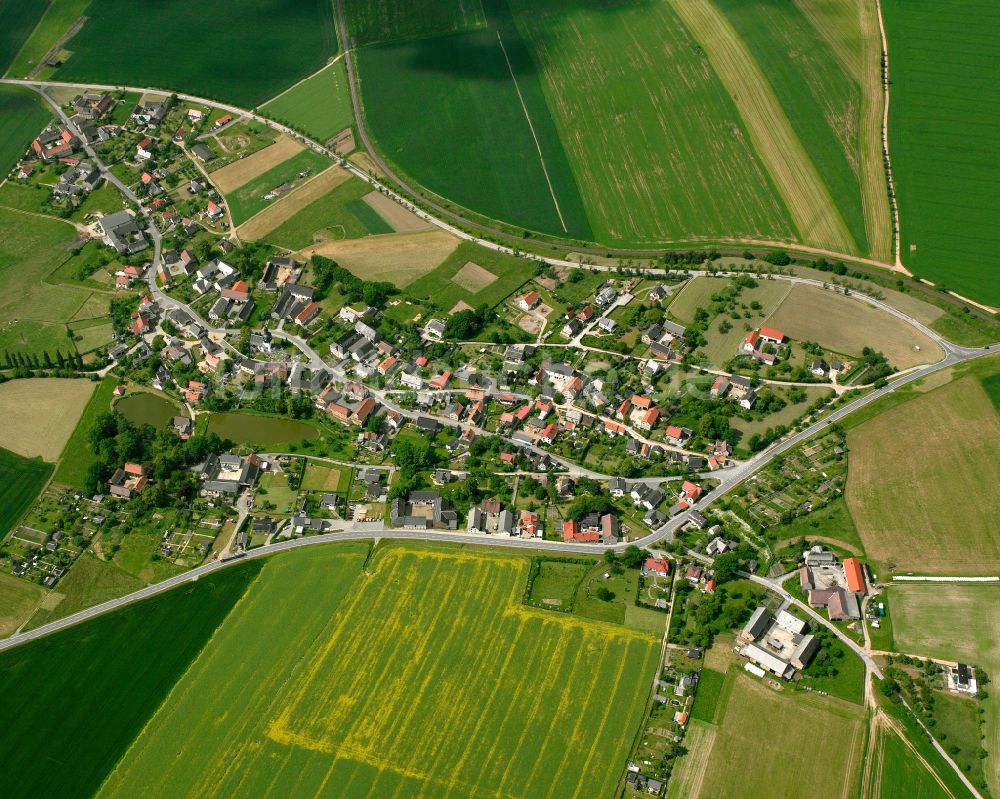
column 22, row 117
column 76, row 699
column 440, row 289
column 76, row 455
column 235, row 50
column 17, row 21
column 56, row 21
column 336, row 215
column 903, row 463
column 780, row 731
column 248, row 199
column 955, row 622
column 846, row 326
column 556, row 582
column 320, row 105
column 321, row 476
column 452, row 113
column 18, row 600
column 41, row 413
column 271, row 700
column 708, row 694
column 945, row 106
column 370, row 21
column 833, row 521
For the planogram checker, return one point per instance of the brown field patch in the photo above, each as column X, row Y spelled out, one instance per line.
column 922, row 482
column 283, row 209
column 473, row 278
column 461, row 305
column 18, row 600
column 364, row 162
column 399, row 258
column 847, row 326
column 394, row 215
column 231, row 177
column 40, row 414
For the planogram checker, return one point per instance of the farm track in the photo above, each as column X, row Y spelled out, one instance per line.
column 806, row 195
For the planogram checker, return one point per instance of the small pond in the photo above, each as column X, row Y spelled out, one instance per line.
column 145, row 408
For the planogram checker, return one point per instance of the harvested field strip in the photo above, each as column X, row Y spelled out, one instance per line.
column 283, row 209
column 837, row 22
column 133, row 655
column 281, row 717
column 847, row 326
column 40, row 414
column 234, row 175
column 253, row 197
column 903, row 463
column 400, row 258
column 806, row 196
column 396, row 216
column 18, row 600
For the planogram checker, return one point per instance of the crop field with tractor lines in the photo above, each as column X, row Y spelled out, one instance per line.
column 396, row 681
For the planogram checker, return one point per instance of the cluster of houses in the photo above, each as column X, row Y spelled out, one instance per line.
column 828, row 583
column 776, row 644
column 593, row 528
column 762, row 345
column 122, row 231
column 128, row 480
column 491, row 517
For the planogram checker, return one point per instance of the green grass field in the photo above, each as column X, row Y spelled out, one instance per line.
column 926, row 622
column 76, row 457
column 900, row 774
column 56, row 21
column 709, row 692
column 556, row 582
column 443, row 293
column 377, row 682
column 17, row 21
column 243, row 52
column 945, row 105
column 75, row 700
column 372, row 21
column 339, row 214
column 18, row 600
column 903, row 463
column 21, row 480
column 22, row 117
column 446, row 111
column 320, row 105
column 248, row 199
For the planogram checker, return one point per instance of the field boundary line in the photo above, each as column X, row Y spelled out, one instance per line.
column 531, row 127
column 931, row 579
column 885, row 135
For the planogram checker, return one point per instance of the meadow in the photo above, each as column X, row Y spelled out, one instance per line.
column 293, row 203
column 21, row 480
column 897, row 773
column 260, row 431
column 22, row 117
column 847, row 326
column 370, row 21
column 40, row 414
column 440, row 289
column 234, row 50
column 56, row 20
column 943, row 111
column 922, row 482
column 955, row 622
column 378, row 682
column 789, row 758
column 76, row 455
column 76, row 699
column 338, row 214
column 319, row 105
column 476, row 146
column 248, row 199
column 17, row 21
column 18, row 600
column 400, row 258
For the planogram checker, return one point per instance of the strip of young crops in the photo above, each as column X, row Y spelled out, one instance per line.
column 943, row 115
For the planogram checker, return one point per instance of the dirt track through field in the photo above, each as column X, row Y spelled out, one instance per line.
column 805, row 194
column 285, row 208
column 231, row 177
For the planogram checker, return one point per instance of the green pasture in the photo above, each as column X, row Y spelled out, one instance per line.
column 21, row 480
column 77, row 456
column 320, row 105
column 18, row 19
column 22, row 117
column 370, row 21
